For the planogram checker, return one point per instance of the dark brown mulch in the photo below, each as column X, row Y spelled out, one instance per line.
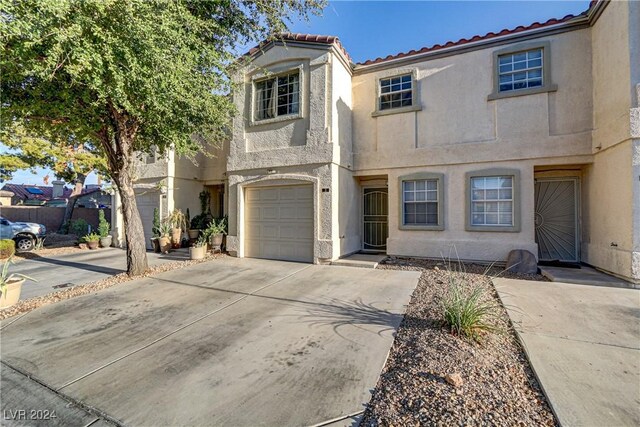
column 498, row 386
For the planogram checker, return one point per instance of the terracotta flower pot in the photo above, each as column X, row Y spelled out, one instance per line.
column 12, row 293
column 176, row 234
column 165, row 244
column 93, row 245
column 197, row 252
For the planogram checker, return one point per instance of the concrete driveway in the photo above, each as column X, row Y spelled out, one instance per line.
column 226, row 342
column 584, row 346
column 53, row 272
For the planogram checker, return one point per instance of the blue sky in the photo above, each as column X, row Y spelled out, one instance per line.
column 371, row 29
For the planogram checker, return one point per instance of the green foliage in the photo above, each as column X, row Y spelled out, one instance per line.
column 202, row 241
column 6, row 277
column 469, row 310
column 176, row 219
column 7, row 248
column 205, row 200
column 164, row 230
column 200, row 222
column 79, row 227
column 216, row 227
column 103, row 225
column 156, row 223
column 91, row 237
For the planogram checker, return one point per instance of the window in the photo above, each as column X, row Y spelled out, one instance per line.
column 278, row 96
column 421, row 201
column 520, row 70
column 396, row 92
column 493, row 200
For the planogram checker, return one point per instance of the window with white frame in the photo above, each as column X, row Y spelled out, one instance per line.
column 396, row 92
column 277, row 96
column 492, row 201
column 420, row 202
column 520, row 70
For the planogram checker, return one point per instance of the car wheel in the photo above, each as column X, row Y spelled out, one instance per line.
column 24, row 244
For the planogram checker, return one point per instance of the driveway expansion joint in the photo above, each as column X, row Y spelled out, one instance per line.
column 244, row 296
column 99, row 414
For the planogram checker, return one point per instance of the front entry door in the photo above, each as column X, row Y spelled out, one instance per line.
column 556, row 219
column 375, row 215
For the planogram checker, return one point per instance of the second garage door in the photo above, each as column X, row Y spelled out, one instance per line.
column 279, row 223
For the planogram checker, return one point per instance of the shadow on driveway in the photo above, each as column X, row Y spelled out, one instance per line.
column 79, row 265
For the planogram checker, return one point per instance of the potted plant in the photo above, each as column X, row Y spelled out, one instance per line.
column 192, row 230
column 199, row 248
column 10, row 285
column 155, row 231
column 164, row 241
column 215, row 232
column 103, row 230
column 176, row 220
column 92, row 240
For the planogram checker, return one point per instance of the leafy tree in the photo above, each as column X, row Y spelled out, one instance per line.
column 69, row 160
column 129, row 76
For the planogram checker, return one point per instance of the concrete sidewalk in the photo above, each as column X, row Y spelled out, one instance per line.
column 54, row 272
column 584, row 345
column 226, row 342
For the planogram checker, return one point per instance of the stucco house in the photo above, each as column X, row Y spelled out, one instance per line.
column 526, row 138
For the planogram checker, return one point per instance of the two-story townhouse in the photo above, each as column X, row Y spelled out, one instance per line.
column 523, row 139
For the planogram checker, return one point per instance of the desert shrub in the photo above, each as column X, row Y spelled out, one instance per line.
column 103, row 224
column 7, row 248
column 469, row 309
column 79, row 227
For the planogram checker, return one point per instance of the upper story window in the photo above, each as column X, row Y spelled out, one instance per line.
column 396, row 92
column 278, row 96
column 520, row 70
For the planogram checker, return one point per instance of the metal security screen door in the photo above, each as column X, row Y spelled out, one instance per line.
column 556, row 219
column 375, row 210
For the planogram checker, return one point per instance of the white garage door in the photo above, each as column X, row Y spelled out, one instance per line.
column 147, row 200
column 279, row 223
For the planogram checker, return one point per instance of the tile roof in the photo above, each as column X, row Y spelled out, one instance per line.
column 329, row 40
column 490, row 35
column 21, row 191
column 299, row 37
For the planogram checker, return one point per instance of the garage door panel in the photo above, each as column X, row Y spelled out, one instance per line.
column 283, row 229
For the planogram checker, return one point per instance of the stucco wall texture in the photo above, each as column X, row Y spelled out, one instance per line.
column 586, row 128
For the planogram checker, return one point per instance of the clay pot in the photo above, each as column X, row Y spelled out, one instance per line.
column 165, row 244
column 105, row 242
column 193, row 234
column 197, row 252
column 11, row 295
column 93, row 245
column 155, row 244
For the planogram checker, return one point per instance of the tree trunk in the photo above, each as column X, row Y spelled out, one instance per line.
column 71, row 203
column 133, row 230
column 117, row 141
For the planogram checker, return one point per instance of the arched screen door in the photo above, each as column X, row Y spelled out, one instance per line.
column 375, row 210
column 556, row 219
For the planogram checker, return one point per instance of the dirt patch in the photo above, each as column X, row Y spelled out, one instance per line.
column 432, row 377
column 25, row 306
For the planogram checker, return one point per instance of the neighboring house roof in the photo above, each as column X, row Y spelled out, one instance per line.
column 331, row 40
column 4, row 193
column 41, row 192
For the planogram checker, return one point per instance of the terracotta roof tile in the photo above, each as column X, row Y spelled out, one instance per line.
column 300, row 37
column 476, row 38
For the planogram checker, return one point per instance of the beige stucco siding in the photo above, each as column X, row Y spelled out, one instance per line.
column 457, row 124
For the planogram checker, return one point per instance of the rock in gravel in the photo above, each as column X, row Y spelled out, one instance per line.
column 455, row 379
column 522, row 261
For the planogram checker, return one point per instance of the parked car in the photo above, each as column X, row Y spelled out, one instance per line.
column 25, row 234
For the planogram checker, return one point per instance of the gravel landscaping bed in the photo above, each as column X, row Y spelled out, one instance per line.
column 494, row 383
column 25, row 306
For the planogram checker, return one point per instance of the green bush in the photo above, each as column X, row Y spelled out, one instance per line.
column 469, row 309
column 156, row 223
column 7, row 248
column 93, row 237
column 79, row 227
column 103, row 225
